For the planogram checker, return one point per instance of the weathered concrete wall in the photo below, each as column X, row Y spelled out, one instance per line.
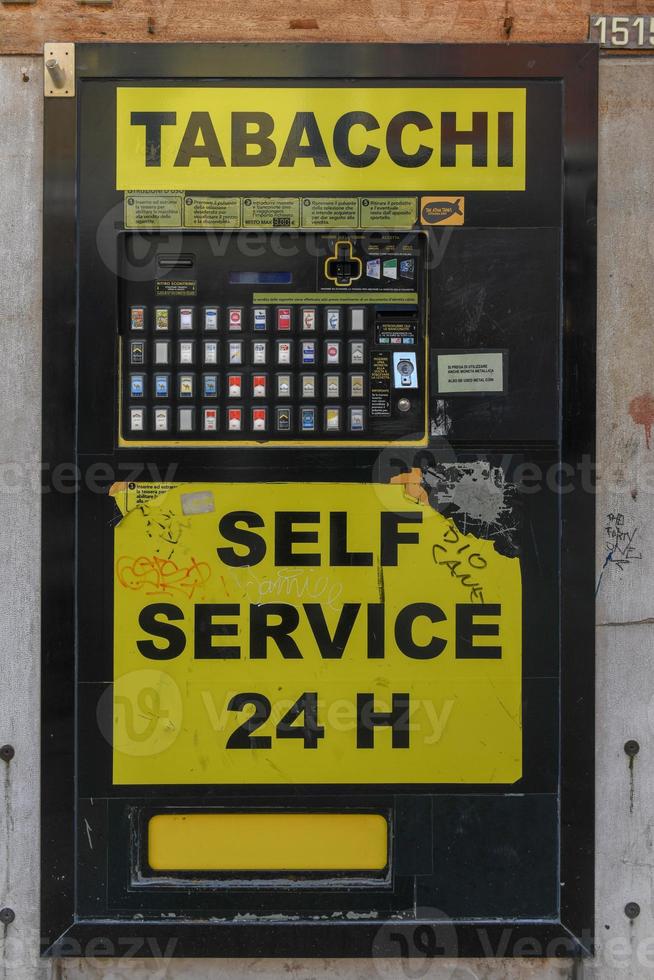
column 625, row 598
column 625, row 824
column 20, row 450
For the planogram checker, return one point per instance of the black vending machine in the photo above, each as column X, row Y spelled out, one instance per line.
column 319, row 338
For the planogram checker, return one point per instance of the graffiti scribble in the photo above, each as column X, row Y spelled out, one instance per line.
column 161, row 576
column 463, row 563
column 621, row 550
column 163, row 524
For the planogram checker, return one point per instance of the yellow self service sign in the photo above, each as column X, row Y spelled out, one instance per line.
column 310, row 633
column 313, row 138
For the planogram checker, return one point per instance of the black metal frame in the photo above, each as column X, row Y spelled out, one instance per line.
column 63, row 931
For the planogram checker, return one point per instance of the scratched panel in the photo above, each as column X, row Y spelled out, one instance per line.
column 498, row 288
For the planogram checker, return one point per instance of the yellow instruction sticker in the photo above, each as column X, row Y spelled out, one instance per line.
column 310, row 633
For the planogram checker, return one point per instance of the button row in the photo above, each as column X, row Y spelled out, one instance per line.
column 310, row 419
column 211, row 385
column 240, row 352
column 308, row 319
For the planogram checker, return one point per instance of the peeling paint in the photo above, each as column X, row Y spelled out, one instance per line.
column 477, row 497
column 478, row 492
column 198, row 503
column 641, row 410
column 441, row 423
column 412, row 483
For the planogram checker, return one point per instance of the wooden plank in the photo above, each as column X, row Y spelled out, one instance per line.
column 25, row 27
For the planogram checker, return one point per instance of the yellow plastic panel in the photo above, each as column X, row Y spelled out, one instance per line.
column 268, row 842
column 201, row 145
column 180, row 704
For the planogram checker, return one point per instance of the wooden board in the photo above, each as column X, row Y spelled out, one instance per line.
column 24, row 27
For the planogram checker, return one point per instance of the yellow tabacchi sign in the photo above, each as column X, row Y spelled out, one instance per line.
column 321, row 138
column 310, row 633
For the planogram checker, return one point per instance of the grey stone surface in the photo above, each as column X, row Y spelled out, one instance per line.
column 20, row 395
column 625, row 601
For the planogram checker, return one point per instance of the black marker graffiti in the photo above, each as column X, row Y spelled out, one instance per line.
column 621, row 550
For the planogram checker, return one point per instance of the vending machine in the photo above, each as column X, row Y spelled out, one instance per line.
column 319, row 339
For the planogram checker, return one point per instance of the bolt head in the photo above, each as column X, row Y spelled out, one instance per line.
column 7, row 916
column 7, row 752
column 632, row 910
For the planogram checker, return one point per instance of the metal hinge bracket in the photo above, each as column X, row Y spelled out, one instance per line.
column 58, row 70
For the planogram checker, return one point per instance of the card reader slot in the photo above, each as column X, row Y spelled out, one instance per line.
column 175, row 261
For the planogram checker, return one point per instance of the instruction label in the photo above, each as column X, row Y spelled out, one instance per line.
column 380, row 385
column 329, row 297
column 470, row 373
column 212, row 212
column 270, row 212
column 176, row 287
column 153, row 209
column 330, row 212
column 388, row 212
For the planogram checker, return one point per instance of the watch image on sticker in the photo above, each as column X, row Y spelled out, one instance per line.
column 405, row 373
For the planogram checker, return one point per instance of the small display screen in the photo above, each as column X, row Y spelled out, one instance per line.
column 255, row 278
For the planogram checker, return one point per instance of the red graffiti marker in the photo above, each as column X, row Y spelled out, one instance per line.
column 641, row 410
